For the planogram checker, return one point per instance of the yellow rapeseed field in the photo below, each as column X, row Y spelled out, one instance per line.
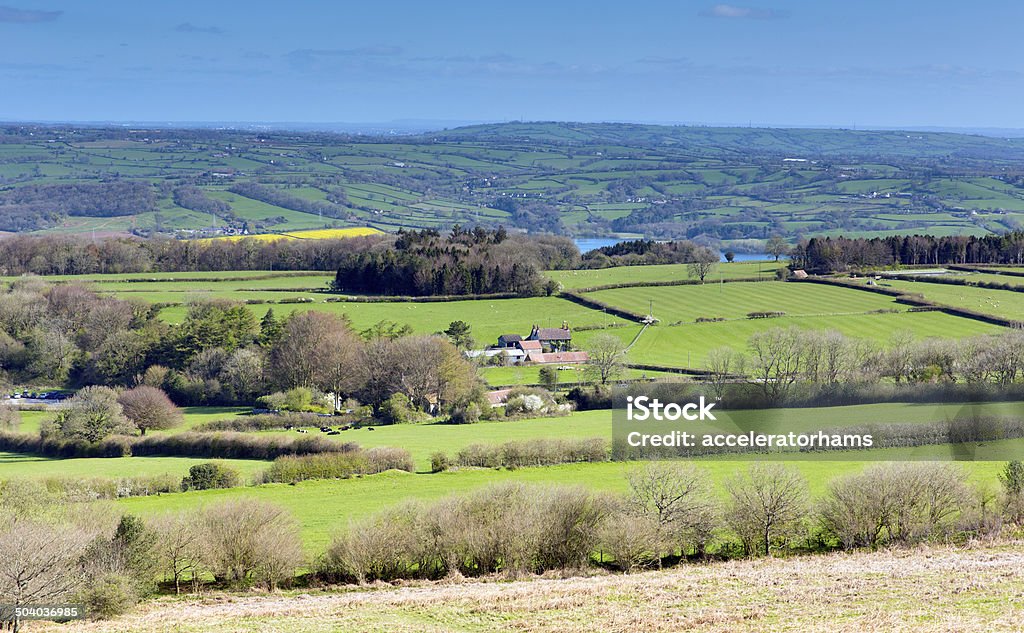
column 314, row 234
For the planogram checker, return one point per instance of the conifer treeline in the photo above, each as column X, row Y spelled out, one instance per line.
column 425, row 263
column 837, row 254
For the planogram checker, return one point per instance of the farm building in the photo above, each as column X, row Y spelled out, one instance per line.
column 541, row 345
column 552, row 339
column 560, row 358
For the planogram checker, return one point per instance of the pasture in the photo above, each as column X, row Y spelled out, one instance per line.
column 687, row 344
column 325, row 507
column 674, row 304
column 1008, row 304
column 574, row 279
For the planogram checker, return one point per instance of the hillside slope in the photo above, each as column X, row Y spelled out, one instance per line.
column 980, row 588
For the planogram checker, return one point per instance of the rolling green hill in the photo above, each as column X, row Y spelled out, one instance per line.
column 722, row 184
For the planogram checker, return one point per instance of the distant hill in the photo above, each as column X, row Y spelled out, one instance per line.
column 795, row 141
column 718, row 185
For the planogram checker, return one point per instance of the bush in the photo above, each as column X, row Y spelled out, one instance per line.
column 92, row 415
column 632, row 541
column 382, row 458
column 548, row 376
column 1012, row 480
column 439, row 462
column 109, row 596
column 149, row 408
column 210, row 475
column 894, row 503
column 530, row 402
column 247, row 542
column 264, row 422
column 468, row 414
column 511, row 528
column 536, row 452
column 397, row 410
column 293, row 468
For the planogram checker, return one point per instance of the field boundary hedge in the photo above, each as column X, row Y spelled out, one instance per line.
column 673, row 282
column 225, row 445
column 594, row 304
column 980, row 268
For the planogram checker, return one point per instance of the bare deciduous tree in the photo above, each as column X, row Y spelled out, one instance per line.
column 776, row 360
column 607, row 357
column 678, row 497
column 766, row 502
column 149, row 408
column 40, row 561
column 180, row 547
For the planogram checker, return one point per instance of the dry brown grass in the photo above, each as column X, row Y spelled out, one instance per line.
column 977, row 588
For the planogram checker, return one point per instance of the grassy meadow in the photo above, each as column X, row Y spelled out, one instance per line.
column 573, row 279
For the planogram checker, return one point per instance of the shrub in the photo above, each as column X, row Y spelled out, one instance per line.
column 397, row 409
column 894, row 503
column 247, row 542
column 190, row 444
column 109, row 596
column 295, row 468
column 511, row 528
column 536, row 452
column 439, row 462
column 10, row 419
column 382, row 458
column 92, row 415
column 1012, row 480
column 766, row 505
column 548, row 376
column 468, row 414
column 210, row 475
column 530, row 401
column 263, row 422
column 678, row 498
column 632, row 541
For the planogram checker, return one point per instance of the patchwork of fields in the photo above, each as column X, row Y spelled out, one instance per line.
column 323, row 508
column 596, row 177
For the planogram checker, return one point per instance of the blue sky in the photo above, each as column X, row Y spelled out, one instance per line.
column 774, row 62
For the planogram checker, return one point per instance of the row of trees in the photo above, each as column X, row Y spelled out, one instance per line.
column 78, row 255
column 779, row 359
column 840, row 254
column 640, row 252
column 52, row 552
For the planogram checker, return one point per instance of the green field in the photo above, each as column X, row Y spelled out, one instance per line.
column 324, row 508
column 489, row 318
column 572, row 279
column 1008, row 304
column 687, row 344
column 17, row 465
column 735, row 300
